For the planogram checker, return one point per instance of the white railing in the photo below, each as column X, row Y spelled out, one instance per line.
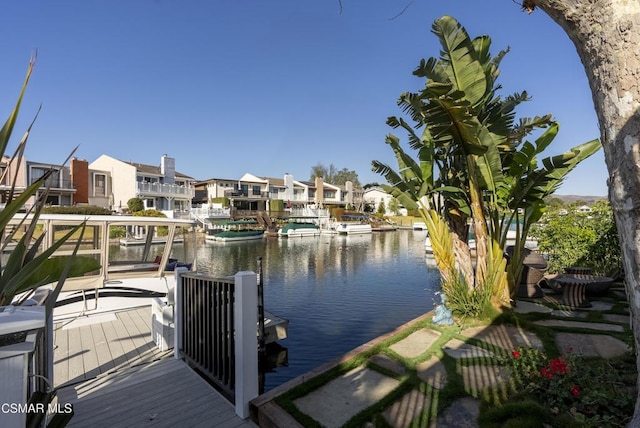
column 310, row 212
column 206, row 212
column 294, row 198
column 215, row 330
column 165, row 189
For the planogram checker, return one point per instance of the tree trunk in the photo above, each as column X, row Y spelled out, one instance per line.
column 606, row 34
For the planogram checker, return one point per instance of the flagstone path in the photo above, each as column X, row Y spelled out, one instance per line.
column 420, row 354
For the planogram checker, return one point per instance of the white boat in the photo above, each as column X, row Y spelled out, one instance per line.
column 117, row 284
column 353, row 228
column 294, row 229
column 121, row 284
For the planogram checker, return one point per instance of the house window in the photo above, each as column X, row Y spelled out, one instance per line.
column 100, row 185
column 149, row 203
column 256, row 190
column 37, row 172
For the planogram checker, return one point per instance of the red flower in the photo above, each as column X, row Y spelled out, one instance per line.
column 575, row 390
column 545, row 372
column 516, row 354
column 558, row 366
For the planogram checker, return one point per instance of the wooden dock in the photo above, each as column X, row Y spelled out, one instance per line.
column 108, row 367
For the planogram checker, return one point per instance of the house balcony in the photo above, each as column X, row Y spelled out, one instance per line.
column 294, row 198
column 239, row 194
column 56, row 184
column 164, row 191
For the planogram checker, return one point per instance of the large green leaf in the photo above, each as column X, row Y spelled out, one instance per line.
column 466, row 72
column 7, row 128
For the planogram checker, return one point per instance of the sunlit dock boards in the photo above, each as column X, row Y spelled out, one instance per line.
column 114, row 375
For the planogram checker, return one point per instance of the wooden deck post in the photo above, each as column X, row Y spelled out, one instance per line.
column 246, row 346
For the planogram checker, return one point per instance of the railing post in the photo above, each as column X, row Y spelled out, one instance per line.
column 246, row 346
column 177, row 312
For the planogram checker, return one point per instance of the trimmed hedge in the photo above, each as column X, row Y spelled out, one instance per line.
column 77, row 209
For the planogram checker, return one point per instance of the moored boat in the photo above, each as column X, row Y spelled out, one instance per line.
column 353, row 228
column 236, row 235
column 294, row 229
column 118, row 283
column 240, row 230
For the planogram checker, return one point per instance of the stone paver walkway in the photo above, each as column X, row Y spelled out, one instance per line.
column 420, row 354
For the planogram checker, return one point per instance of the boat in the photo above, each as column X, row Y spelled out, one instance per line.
column 239, row 230
column 118, row 283
column 236, row 235
column 296, row 229
column 353, row 228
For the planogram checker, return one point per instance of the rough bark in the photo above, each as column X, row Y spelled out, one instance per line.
column 606, row 34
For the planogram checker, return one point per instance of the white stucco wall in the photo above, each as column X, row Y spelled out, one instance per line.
column 123, row 178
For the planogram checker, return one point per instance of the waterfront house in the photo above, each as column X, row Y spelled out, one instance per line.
column 374, row 195
column 93, row 187
column 251, row 194
column 68, row 185
column 159, row 187
column 61, row 188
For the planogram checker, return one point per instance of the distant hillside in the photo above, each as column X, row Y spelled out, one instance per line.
column 569, row 199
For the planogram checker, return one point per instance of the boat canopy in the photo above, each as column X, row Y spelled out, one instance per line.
column 96, row 239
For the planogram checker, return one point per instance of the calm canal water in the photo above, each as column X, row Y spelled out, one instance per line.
column 337, row 292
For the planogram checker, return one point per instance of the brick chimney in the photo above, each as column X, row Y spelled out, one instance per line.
column 319, row 190
column 80, row 178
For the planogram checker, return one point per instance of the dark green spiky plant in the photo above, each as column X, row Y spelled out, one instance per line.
column 474, row 165
column 26, row 268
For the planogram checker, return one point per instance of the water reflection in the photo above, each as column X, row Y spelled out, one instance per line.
column 337, row 291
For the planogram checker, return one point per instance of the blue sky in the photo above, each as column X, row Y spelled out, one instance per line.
column 265, row 87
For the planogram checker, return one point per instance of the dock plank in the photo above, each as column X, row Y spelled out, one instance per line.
column 60, row 355
column 167, row 394
column 102, row 349
column 115, row 345
column 115, row 404
column 89, row 356
column 76, row 361
column 138, row 336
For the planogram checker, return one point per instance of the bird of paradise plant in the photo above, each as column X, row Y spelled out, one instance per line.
column 474, row 165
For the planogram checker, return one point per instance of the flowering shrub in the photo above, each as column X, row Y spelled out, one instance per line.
column 552, row 381
column 587, row 390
